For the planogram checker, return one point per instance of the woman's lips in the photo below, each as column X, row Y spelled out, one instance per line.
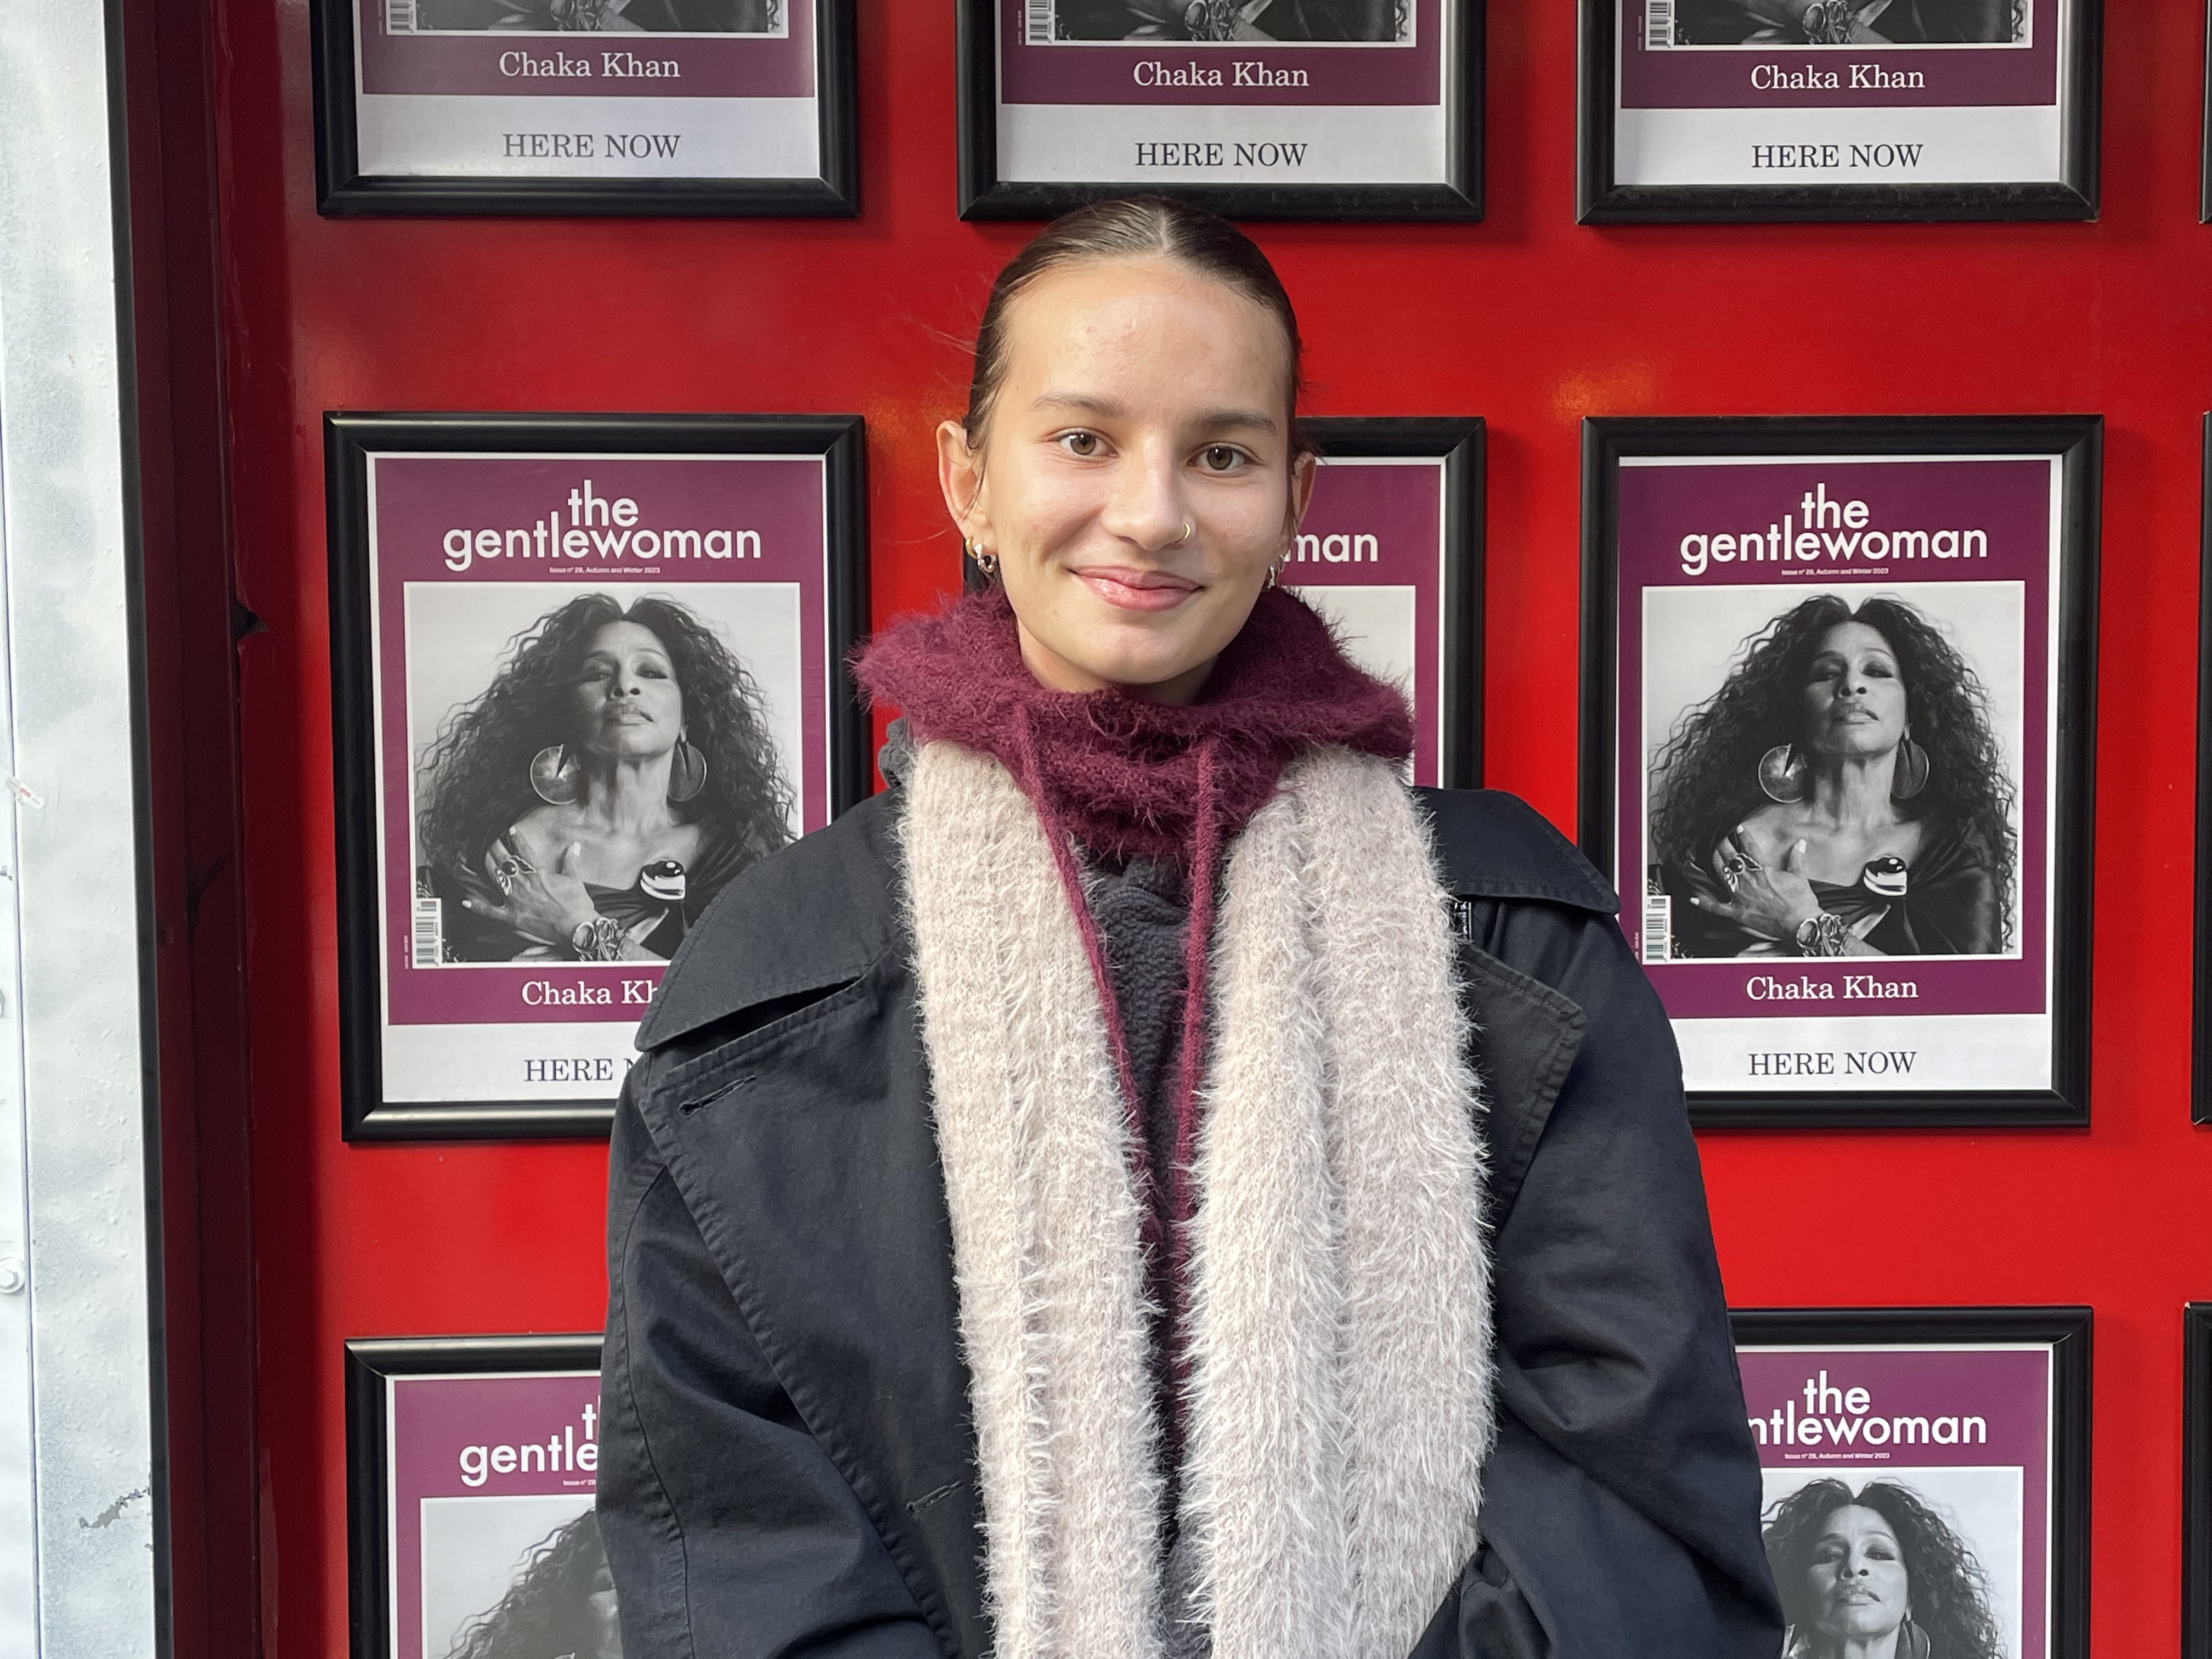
column 1128, row 589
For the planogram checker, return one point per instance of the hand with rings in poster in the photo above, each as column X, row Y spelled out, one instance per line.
column 548, row 906
column 1767, row 901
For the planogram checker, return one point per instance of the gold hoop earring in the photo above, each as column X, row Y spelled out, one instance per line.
column 985, row 563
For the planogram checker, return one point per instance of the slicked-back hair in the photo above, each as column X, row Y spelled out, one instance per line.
column 1135, row 227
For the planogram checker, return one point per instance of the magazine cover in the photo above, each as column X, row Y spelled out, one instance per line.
column 1381, row 555
column 480, row 1531
column 593, row 689
column 1838, row 770
column 1918, row 1493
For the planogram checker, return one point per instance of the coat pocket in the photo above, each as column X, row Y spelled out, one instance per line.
column 713, row 1066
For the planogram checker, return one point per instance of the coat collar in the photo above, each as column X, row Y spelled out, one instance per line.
column 817, row 913
column 1494, row 845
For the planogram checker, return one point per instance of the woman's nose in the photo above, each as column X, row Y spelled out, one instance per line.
column 1146, row 506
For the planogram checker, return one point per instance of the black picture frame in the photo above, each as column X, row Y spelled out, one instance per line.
column 2204, row 138
column 983, row 194
column 2200, row 1089
column 349, row 440
column 342, row 191
column 1459, row 442
column 2067, row 1331
column 2196, row 1480
column 2079, row 441
column 1599, row 200
column 370, row 1362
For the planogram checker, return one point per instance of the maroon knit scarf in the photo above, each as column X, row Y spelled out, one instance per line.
column 1126, row 779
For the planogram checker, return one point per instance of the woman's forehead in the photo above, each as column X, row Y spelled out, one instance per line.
column 624, row 636
column 1143, row 332
column 1844, row 637
column 1855, row 1521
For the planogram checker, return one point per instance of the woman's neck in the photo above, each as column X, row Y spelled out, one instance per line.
column 629, row 797
column 1853, row 792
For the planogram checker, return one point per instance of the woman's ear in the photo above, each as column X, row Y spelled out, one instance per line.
column 960, row 477
column 1304, row 469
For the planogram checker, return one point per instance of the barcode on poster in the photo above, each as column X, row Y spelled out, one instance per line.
column 1040, row 22
column 399, row 17
column 1658, row 927
column 430, row 932
column 1658, row 24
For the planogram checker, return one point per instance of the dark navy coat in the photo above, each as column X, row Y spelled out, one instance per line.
column 787, row 1467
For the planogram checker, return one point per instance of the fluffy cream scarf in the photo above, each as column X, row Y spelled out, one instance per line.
column 1339, row 1407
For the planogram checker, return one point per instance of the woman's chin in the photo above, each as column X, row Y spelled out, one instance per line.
column 1138, row 673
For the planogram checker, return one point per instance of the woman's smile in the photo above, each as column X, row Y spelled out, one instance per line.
column 1128, row 588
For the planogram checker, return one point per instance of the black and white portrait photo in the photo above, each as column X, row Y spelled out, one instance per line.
column 592, row 768
column 598, row 16
column 1321, row 22
column 1850, row 22
column 1909, row 1564
column 1843, row 763
column 516, row 1578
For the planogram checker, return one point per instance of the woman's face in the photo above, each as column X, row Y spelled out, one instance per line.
column 626, row 703
column 1854, row 702
column 1136, row 481
column 1857, row 1579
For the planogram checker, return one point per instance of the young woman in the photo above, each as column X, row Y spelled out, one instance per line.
column 1149, row 1183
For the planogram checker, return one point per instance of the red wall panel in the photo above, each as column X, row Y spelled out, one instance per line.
column 1526, row 319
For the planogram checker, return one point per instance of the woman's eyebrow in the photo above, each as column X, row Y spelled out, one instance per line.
column 1081, row 402
column 1236, row 420
column 1214, row 420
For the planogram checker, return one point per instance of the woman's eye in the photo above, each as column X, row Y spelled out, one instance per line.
column 1083, row 444
column 1221, row 457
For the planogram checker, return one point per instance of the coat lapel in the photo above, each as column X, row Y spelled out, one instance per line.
column 804, row 1148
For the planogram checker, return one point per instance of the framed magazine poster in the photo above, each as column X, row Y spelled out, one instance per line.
column 1838, row 109
column 471, row 1467
column 1837, row 690
column 585, row 670
column 1259, row 109
column 1924, row 1476
column 1391, row 553
column 697, row 107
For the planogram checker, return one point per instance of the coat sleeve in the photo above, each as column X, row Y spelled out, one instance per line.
column 730, row 1533
column 1621, row 1506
